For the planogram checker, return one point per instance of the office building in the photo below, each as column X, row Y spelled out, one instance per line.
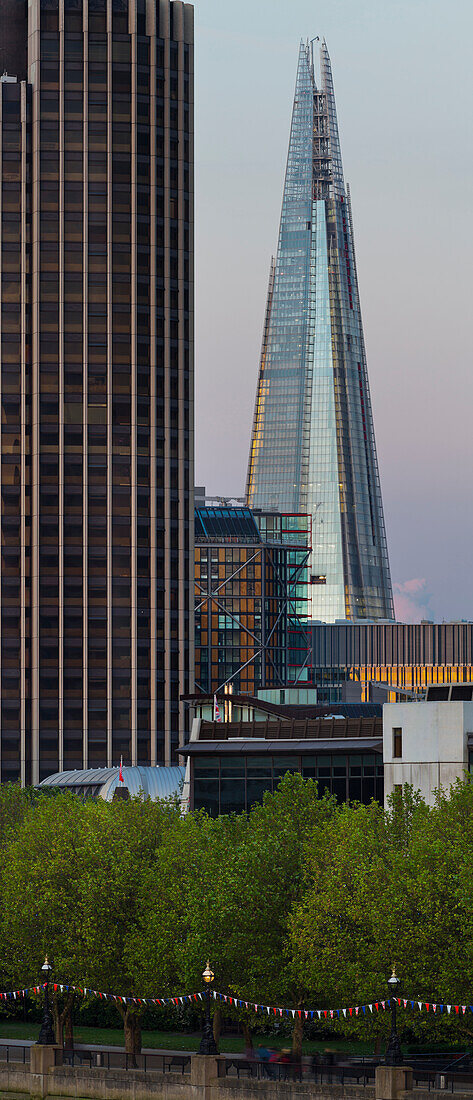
column 251, row 602
column 96, row 266
column 382, row 661
column 232, row 764
column 313, row 447
column 429, row 745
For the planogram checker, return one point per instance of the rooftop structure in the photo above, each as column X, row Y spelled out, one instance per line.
column 153, row 783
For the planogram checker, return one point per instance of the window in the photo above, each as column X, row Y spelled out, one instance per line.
column 397, row 743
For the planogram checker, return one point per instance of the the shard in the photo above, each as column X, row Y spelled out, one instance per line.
column 313, row 448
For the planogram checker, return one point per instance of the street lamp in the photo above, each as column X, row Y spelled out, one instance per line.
column 393, row 1056
column 47, row 1037
column 207, row 1043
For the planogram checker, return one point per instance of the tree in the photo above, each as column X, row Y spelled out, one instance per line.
column 225, row 889
column 73, row 889
column 41, row 911
column 125, row 840
column 391, row 886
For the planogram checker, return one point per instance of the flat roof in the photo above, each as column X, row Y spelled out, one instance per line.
column 259, row 746
column 334, row 728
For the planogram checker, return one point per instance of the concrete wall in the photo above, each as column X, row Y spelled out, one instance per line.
column 42, row 1079
column 203, row 1083
column 14, row 1077
column 434, row 745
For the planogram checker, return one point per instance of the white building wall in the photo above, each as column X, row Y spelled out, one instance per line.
column 434, row 745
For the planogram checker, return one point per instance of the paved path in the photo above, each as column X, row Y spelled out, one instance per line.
column 111, row 1049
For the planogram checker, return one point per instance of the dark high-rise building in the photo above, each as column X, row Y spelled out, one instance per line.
column 313, row 447
column 96, row 383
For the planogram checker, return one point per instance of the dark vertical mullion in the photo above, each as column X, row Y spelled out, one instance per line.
column 151, row 29
column 164, row 25
column 109, row 661
column 61, row 398
column 132, row 24
column 33, row 76
column 85, row 393
column 25, row 335
column 1, row 424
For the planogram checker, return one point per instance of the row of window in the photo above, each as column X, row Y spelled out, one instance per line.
column 230, row 784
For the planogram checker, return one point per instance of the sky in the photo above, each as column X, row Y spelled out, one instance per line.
column 404, row 90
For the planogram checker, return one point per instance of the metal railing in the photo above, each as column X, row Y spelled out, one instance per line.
column 111, row 1059
column 316, row 1072
column 439, row 1080
column 14, row 1053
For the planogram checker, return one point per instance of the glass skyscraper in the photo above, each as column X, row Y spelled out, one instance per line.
column 313, row 448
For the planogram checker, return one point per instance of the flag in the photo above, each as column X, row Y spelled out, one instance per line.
column 120, row 774
column 217, row 715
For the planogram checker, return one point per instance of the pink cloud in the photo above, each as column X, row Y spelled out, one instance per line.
column 411, row 601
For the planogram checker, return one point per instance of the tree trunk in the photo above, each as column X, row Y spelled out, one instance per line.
column 249, row 1049
column 297, row 1036
column 68, row 1029
column 63, row 1020
column 378, row 1045
column 58, row 1026
column 217, row 1024
column 132, row 1026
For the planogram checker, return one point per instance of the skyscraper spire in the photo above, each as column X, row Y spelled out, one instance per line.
column 313, row 446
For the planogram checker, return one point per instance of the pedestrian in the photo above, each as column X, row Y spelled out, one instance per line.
column 285, row 1060
column 262, row 1055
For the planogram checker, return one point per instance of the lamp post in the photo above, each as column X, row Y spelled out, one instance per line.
column 46, row 1037
column 393, row 1056
column 207, row 1043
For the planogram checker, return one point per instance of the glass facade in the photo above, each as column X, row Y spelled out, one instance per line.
column 96, row 384
column 407, row 656
column 231, row 784
column 313, row 447
column 250, row 594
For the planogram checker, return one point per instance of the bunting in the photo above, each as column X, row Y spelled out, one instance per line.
column 353, row 1011
column 14, row 994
